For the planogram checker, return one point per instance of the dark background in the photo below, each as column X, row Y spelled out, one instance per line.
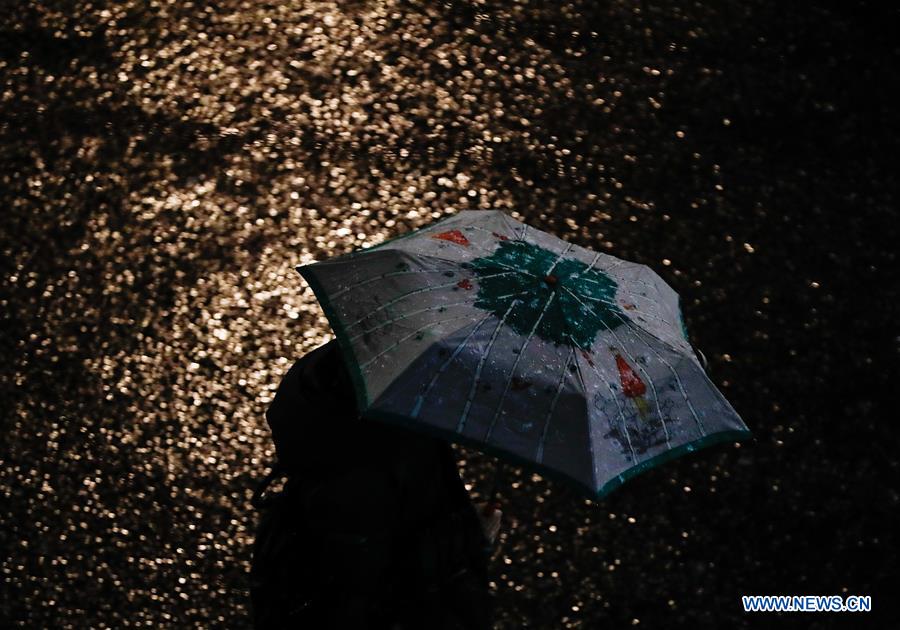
column 164, row 165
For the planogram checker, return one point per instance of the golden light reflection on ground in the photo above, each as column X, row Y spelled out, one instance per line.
column 165, row 165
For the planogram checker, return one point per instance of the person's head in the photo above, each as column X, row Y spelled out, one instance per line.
column 334, row 379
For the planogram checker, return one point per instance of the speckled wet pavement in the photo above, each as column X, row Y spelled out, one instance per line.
column 164, row 165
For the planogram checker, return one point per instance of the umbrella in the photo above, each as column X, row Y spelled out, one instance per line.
column 490, row 333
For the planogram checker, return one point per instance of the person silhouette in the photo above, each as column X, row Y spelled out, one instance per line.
column 374, row 528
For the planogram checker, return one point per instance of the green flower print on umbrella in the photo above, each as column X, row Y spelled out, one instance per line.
column 582, row 299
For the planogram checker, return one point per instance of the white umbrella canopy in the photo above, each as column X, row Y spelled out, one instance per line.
column 490, row 333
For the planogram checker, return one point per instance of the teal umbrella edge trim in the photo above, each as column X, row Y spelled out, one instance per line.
column 683, row 449
column 362, row 401
column 681, row 323
column 529, row 464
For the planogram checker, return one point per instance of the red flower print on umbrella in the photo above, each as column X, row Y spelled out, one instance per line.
column 454, row 236
column 632, row 386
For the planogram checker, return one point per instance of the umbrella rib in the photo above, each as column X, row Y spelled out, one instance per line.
column 512, row 371
column 569, row 245
column 420, row 399
column 639, row 296
column 631, row 322
column 577, row 274
column 468, row 247
column 642, row 313
column 629, row 294
column 636, row 363
column 663, row 341
column 618, row 262
column 524, row 230
column 492, row 232
column 611, row 393
column 408, row 314
column 631, row 325
column 416, row 292
column 462, row 419
column 635, row 280
column 587, row 407
column 584, row 389
column 632, row 295
column 495, row 263
column 492, row 262
column 436, row 307
column 677, row 379
column 562, row 379
column 426, row 289
column 413, row 333
column 514, row 269
column 429, row 232
column 338, row 294
column 515, row 364
column 515, row 226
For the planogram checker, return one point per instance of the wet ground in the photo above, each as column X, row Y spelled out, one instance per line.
column 164, row 165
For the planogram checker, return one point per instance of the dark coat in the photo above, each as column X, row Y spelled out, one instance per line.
column 375, row 528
